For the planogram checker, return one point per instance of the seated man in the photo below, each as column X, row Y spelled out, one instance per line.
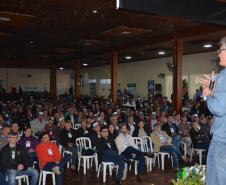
column 15, row 161
column 68, row 137
column 127, row 148
column 83, row 131
column 4, row 136
column 198, row 138
column 50, row 158
column 172, row 130
column 108, row 152
column 162, row 143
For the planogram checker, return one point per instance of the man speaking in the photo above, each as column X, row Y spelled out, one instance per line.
column 216, row 101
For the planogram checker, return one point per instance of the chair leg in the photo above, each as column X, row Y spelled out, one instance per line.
column 19, row 182
column 135, row 167
column 40, row 178
column 27, row 180
column 43, row 179
column 163, row 162
column 191, row 155
column 79, row 163
column 104, row 172
column 110, row 167
column 200, row 157
column 53, row 179
column 96, row 162
column 84, row 165
column 98, row 172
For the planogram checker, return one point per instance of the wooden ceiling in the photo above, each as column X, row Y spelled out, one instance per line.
column 38, row 33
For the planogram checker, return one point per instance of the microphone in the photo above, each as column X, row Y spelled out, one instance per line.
column 212, row 80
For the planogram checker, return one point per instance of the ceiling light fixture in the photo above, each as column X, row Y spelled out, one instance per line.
column 5, row 19
column 85, row 64
column 161, row 52
column 207, row 45
column 95, row 11
column 125, row 32
column 61, row 68
column 128, row 57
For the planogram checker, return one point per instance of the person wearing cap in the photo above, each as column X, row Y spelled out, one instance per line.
column 108, row 152
column 68, row 138
column 38, row 124
column 4, row 136
column 50, row 158
column 15, row 161
column 199, row 141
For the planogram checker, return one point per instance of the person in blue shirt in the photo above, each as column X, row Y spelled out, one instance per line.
column 216, row 102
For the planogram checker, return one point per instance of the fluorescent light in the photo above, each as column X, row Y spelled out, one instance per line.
column 161, row 52
column 5, row 19
column 128, row 57
column 207, row 45
column 61, row 68
column 85, row 64
column 95, row 11
column 125, row 32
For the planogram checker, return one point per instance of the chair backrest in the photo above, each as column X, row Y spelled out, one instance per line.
column 139, row 143
column 147, row 143
column 83, row 142
column 77, row 126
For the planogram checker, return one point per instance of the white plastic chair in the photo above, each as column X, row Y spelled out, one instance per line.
column 22, row 177
column 147, row 144
column 198, row 152
column 76, row 126
column 105, row 165
column 84, row 142
column 42, row 177
column 184, row 148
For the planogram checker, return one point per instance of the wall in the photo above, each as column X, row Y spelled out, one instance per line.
column 34, row 79
column 135, row 72
column 142, row 71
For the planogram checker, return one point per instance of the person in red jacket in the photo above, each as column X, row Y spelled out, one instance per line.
column 50, row 158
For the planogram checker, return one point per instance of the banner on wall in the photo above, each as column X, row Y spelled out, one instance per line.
column 151, row 88
column 131, row 87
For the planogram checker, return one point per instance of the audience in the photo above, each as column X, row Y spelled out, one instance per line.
column 99, row 119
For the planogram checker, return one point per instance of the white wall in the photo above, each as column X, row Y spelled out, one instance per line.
column 136, row 72
column 39, row 79
column 142, row 71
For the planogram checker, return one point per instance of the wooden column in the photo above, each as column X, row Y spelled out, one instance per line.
column 114, row 76
column 77, row 72
column 53, row 85
column 177, row 74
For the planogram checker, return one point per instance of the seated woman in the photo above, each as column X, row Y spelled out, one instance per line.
column 29, row 142
column 50, row 158
column 141, row 130
column 163, row 143
column 112, row 131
